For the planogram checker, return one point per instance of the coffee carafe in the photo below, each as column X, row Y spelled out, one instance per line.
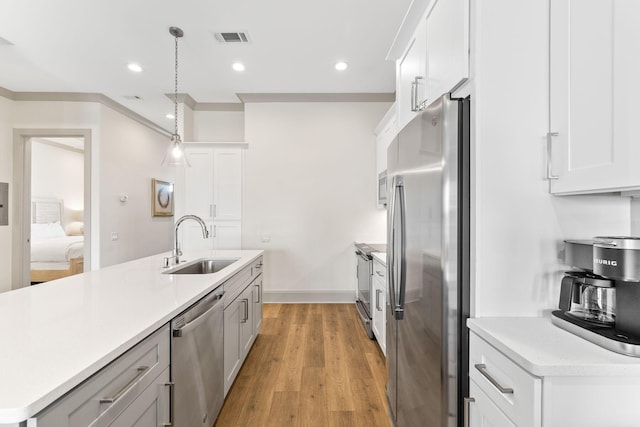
column 588, row 297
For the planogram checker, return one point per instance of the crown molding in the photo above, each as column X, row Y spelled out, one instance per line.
column 316, row 97
column 83, row 97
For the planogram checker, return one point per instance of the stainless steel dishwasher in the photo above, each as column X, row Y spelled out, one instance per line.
column 197, row 363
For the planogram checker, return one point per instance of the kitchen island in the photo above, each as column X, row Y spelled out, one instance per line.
column 57, row 334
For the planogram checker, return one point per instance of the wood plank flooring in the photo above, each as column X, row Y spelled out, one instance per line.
column 311, row 365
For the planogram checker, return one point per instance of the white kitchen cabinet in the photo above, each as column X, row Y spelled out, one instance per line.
column 129, row 391
column 483, row 412
column 411, row 74
column 385, row 132
column 378, row 304
column 242, row 318
column 213, row 191
column 515, row 392
column 593, row 140
column 447, row 47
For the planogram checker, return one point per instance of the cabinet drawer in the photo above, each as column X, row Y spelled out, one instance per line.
column 236, row 285
column 121, row 382
column 522, row 403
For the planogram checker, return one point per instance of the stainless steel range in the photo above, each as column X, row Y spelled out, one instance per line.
column 365, row 270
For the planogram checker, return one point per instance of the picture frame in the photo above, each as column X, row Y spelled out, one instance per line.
column 161, row 198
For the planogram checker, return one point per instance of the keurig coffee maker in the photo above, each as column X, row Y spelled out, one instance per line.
column 600, row 302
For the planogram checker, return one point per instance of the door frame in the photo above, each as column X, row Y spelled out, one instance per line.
column 21, row 199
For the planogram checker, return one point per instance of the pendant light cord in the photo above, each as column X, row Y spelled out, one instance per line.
column 175, row 98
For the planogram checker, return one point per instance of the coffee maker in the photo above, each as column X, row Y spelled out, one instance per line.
column 600, row 298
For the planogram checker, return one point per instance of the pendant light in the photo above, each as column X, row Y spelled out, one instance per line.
column 175, row 155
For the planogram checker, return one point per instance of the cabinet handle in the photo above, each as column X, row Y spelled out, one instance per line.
column 215, row 210
column 245, row 301
column 379, row 274
column 211, row 211
column 483, row 370
column 414, row 94
column 467, row 403
column 550, row 174
column 171, row 386
column 378, row 292
column 215, row 231
column 259, row 292
column 141, row 371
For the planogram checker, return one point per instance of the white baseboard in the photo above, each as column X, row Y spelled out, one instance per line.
column 309, row 296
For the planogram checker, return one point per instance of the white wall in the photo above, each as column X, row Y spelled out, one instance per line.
column 58, row 173
column 6, row 175
column 310, row 186
column 519, row 226
column 125, row 156
column 130, row 156
column 218, row 126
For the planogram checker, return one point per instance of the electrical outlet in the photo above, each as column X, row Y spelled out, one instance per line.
column 266, row 238
column 114, row 236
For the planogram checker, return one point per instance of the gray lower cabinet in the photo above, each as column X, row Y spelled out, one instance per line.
column 242, row 321
column 130, row 391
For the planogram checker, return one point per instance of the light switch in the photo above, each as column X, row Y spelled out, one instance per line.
column 4, row 203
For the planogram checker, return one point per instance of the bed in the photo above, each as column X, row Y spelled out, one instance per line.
column 54, row 254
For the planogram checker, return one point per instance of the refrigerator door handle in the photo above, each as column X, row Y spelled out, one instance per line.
column 392, row 244
column 400, row 290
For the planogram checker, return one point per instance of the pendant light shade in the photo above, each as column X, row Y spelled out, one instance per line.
column 175, row 155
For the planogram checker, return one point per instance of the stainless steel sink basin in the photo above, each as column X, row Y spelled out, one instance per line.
column 202, row 266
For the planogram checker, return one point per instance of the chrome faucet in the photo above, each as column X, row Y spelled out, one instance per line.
column 177, row 253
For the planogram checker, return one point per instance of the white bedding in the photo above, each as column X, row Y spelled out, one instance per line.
column 58, row 249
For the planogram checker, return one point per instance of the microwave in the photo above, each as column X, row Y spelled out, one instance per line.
column 382, row 188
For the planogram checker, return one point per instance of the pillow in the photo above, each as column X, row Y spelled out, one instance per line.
column 47, row 231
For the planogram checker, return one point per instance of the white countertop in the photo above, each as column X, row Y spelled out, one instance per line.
column 380, row 256
column 544, row 349
column 57, row 334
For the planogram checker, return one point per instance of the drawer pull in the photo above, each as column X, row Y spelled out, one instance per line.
column 483, row 370
column 467, row 403
column 141, row 371
column 379, row 273
column 171, row 386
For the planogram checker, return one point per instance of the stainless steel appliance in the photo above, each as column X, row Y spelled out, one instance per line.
column 600, row 302
column 364, row 272
column 197, row 363
column 428, row 267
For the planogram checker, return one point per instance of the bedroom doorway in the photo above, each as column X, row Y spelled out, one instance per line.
column 52, row 231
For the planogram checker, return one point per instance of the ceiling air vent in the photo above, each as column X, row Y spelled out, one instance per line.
column 232, row 37
column 133, row 97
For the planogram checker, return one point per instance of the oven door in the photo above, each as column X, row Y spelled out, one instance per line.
column 364, row 282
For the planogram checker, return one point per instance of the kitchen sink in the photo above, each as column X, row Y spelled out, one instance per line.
column 202, row 266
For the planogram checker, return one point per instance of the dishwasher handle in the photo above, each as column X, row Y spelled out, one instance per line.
column 177, row 332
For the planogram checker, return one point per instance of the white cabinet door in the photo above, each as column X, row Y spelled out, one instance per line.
column 233, row 313
column 227, row 235
column 257, row 305
column 192, row 238
column 227, row 184
column 386, row 131
column 483, row 412
column 593, row 95
column 378, row 307
column 247, row 333
column 150, row 409
column 411, row 76
column 447, row 47
column 198, row 188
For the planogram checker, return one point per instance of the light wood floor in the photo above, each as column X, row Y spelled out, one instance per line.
column 311, row 365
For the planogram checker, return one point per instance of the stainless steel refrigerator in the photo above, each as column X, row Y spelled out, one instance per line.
column 428, row 267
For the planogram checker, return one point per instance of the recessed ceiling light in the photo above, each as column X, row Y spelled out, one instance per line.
column 170, row 116
column 135, row 68
column 341, row 66
column 238, row 66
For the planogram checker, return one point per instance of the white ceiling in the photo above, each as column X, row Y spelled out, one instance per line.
column 85, row 46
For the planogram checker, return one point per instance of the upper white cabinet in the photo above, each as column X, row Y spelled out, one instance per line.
column 411, row 74
column 447, row 47
column 593, row 142
column 435, row 60
column 213, row 191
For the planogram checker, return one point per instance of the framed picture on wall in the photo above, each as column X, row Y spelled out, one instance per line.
column 162, row 198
